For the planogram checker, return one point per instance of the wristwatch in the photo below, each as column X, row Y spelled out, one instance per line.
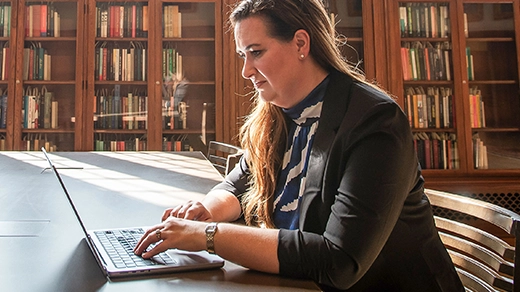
column 211, row 229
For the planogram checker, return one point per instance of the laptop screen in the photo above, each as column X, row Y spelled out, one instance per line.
column 51, row 164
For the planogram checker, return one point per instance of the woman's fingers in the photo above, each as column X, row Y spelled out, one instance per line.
column 190, row 210
column 167, row 213
column 152, row 235
column 156, row 249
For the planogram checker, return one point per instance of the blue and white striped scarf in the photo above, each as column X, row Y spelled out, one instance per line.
column 291, row 181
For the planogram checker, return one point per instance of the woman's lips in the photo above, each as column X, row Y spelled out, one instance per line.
column 258, row 84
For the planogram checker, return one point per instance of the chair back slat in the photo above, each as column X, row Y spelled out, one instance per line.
column 483, row 260
column 223, row 156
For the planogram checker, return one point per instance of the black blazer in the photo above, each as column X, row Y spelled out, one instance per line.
column 365, row 223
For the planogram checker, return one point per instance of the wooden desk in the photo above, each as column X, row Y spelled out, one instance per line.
column 43, row 246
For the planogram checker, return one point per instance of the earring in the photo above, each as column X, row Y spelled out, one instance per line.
column 302, row 56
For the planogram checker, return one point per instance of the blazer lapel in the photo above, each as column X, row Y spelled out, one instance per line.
column 335, row 104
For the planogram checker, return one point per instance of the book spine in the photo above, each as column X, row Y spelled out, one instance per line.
column 3, row 110
column 43, row 20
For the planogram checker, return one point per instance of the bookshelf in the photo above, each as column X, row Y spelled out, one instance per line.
column 456, row 76
column 119, row 75
column 210, row 88
column 189, row 75
column 169, row 100
column 45, row 100
column 101, row 83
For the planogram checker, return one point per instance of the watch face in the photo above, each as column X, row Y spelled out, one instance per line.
column 211, row 227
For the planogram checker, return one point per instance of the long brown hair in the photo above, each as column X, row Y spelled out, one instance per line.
column 264, row 132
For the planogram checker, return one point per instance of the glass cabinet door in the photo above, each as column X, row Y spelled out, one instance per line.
column 348, row 19
column 120, row 73
column 48, row 88
column 428, row 79
column 188, row 72
column 492, row 91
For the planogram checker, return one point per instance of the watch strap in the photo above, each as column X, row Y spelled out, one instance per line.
column 211, row 229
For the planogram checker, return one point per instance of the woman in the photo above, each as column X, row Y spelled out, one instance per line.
column 329, row 173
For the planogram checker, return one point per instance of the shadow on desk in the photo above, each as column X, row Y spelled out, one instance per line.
column 81, row 271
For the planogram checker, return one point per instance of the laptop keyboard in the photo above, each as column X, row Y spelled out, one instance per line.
column 119, row 245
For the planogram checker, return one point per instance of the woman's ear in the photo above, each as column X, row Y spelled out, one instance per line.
column 302, row 41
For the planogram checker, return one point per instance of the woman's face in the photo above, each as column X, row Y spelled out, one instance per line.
column 271, row 65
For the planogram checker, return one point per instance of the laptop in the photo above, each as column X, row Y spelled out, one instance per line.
column 113, row 249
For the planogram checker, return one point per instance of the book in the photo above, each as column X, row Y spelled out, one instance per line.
column 104, row 21
column 3, row 109
column 469, row 64
column 5, row 61
column 145, row 21
column 2, row 19
column 50, row 20
column 54, row 114
column 117, row 121
column 405, row 63
column 43, row 20
column 36, row 20
column 403, row 21
column 47, row 109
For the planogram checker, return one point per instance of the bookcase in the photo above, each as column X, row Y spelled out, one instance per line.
column 186, row 86
column 455, row 73
column 154, row 67
column 42, row 98
column 110, row 75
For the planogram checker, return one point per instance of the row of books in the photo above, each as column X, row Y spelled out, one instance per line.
column 5, row 19
column 431, row 108
column 37, row 62
column 424, row 20
column 172, row 64
column 172, row 21
column 174, row 114
column 437, row 150
column 5, row 59
column 121, row 64
column 3, row 109
column 130, row 144
column 426, row 61
column 112, row 110
column 173, row 143
column 176, row 143
column 480, row 155
column 39, row 109
column 122, row 20
column 34, row 142
column 43, row 20
column 476, row 108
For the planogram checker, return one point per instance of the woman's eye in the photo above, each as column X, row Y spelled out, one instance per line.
column 252, row 53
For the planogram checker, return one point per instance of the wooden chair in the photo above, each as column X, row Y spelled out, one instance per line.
column 223, row 156
column 470, row 230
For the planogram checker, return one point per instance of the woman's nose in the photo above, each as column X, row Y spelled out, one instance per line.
column 247, row 69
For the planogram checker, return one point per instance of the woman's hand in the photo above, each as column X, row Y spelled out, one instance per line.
column 190, row 210
column 172, row 233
